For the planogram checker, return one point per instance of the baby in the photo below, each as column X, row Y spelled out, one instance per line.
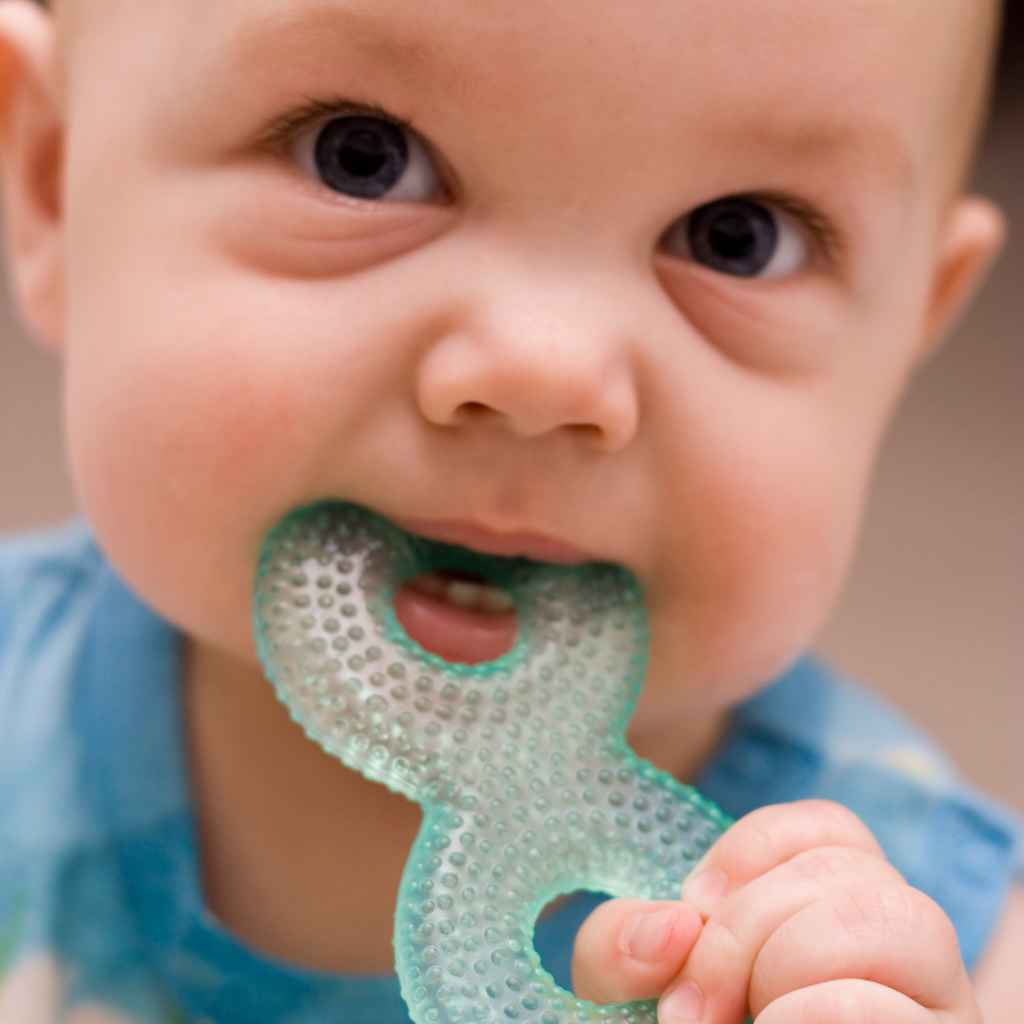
column 635, row 282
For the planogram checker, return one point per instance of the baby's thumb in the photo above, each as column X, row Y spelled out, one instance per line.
column 632, row 949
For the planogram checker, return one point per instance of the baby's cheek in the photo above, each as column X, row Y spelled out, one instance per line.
column 751, row 563
column 181, row 469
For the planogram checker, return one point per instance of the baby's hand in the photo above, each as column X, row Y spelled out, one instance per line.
column 804, row 922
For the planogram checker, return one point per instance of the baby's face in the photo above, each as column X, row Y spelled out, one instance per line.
column 627, row 281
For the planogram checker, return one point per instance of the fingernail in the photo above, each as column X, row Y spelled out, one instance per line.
column 683, row 1005
column 706, row 889
column 650, row 934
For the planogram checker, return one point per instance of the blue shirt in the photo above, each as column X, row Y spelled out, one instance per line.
column 100, row 898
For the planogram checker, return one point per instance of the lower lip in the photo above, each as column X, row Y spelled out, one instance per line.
column 459, row 635
column 476, row 538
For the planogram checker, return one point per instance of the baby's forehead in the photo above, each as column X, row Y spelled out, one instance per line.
column 800, row 74
column 643, row 35
column 783, row 26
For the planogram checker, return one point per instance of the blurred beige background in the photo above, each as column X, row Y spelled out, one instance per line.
column 933, row 613
column 933, row 616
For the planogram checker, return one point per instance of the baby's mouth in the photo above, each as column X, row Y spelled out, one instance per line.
column 457, row 616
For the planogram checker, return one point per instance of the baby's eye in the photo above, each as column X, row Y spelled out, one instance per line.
column 739, row 237
column 369, row 158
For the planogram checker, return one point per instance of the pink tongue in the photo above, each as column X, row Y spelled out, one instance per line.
column 465, row 635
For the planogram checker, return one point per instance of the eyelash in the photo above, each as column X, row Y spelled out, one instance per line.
column 282, row 130
column 828, row 240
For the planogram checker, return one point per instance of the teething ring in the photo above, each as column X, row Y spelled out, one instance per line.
column 529, row 790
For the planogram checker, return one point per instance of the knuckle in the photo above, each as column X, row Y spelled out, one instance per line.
column 928, row 916
column 724, row 940
column 767, row 829
column 761, row 837
column 840, row 822
column 811, row 822
column 751, row 840
column 883, row 909
column 821, row 862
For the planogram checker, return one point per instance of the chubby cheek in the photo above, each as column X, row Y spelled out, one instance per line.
column 190, row 436
column 166, row 476
column 758, row 534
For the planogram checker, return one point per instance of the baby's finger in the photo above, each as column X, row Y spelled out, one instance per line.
column 885, row 933
column 850, row 1001
column 722, row 960
column 631, row 949
column 766, row 838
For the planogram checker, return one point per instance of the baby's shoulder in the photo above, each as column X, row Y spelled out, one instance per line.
column 47, row 584
column 51, row 568
column 66, row 929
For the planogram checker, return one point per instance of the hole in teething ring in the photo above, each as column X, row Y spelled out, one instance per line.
column 458, row 616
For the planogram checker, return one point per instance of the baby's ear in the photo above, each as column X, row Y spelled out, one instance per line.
column 31, row 154
column 972, row 238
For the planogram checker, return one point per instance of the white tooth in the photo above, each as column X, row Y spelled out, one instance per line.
column 494, row 599
column 464, row 594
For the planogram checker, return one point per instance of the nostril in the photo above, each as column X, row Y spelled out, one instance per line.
column 473, row 410
column 589, row 433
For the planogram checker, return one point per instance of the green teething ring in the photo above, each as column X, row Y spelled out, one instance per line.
column 528, row 788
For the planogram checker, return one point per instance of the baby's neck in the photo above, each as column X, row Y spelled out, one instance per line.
column 301, row 857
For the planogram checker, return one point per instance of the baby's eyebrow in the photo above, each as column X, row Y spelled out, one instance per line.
column 333, row 25
column 873, row 143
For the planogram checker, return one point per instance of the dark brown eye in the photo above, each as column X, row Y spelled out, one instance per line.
column 361, row 156
column 739, row 237
column 369, row 157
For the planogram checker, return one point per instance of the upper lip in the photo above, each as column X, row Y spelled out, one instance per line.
column 526, row 543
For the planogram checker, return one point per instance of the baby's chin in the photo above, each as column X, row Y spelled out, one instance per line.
column 705, row 664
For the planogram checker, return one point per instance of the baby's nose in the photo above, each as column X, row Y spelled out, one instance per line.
column 535, row 361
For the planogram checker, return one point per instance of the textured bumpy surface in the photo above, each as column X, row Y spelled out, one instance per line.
column 528, row 788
